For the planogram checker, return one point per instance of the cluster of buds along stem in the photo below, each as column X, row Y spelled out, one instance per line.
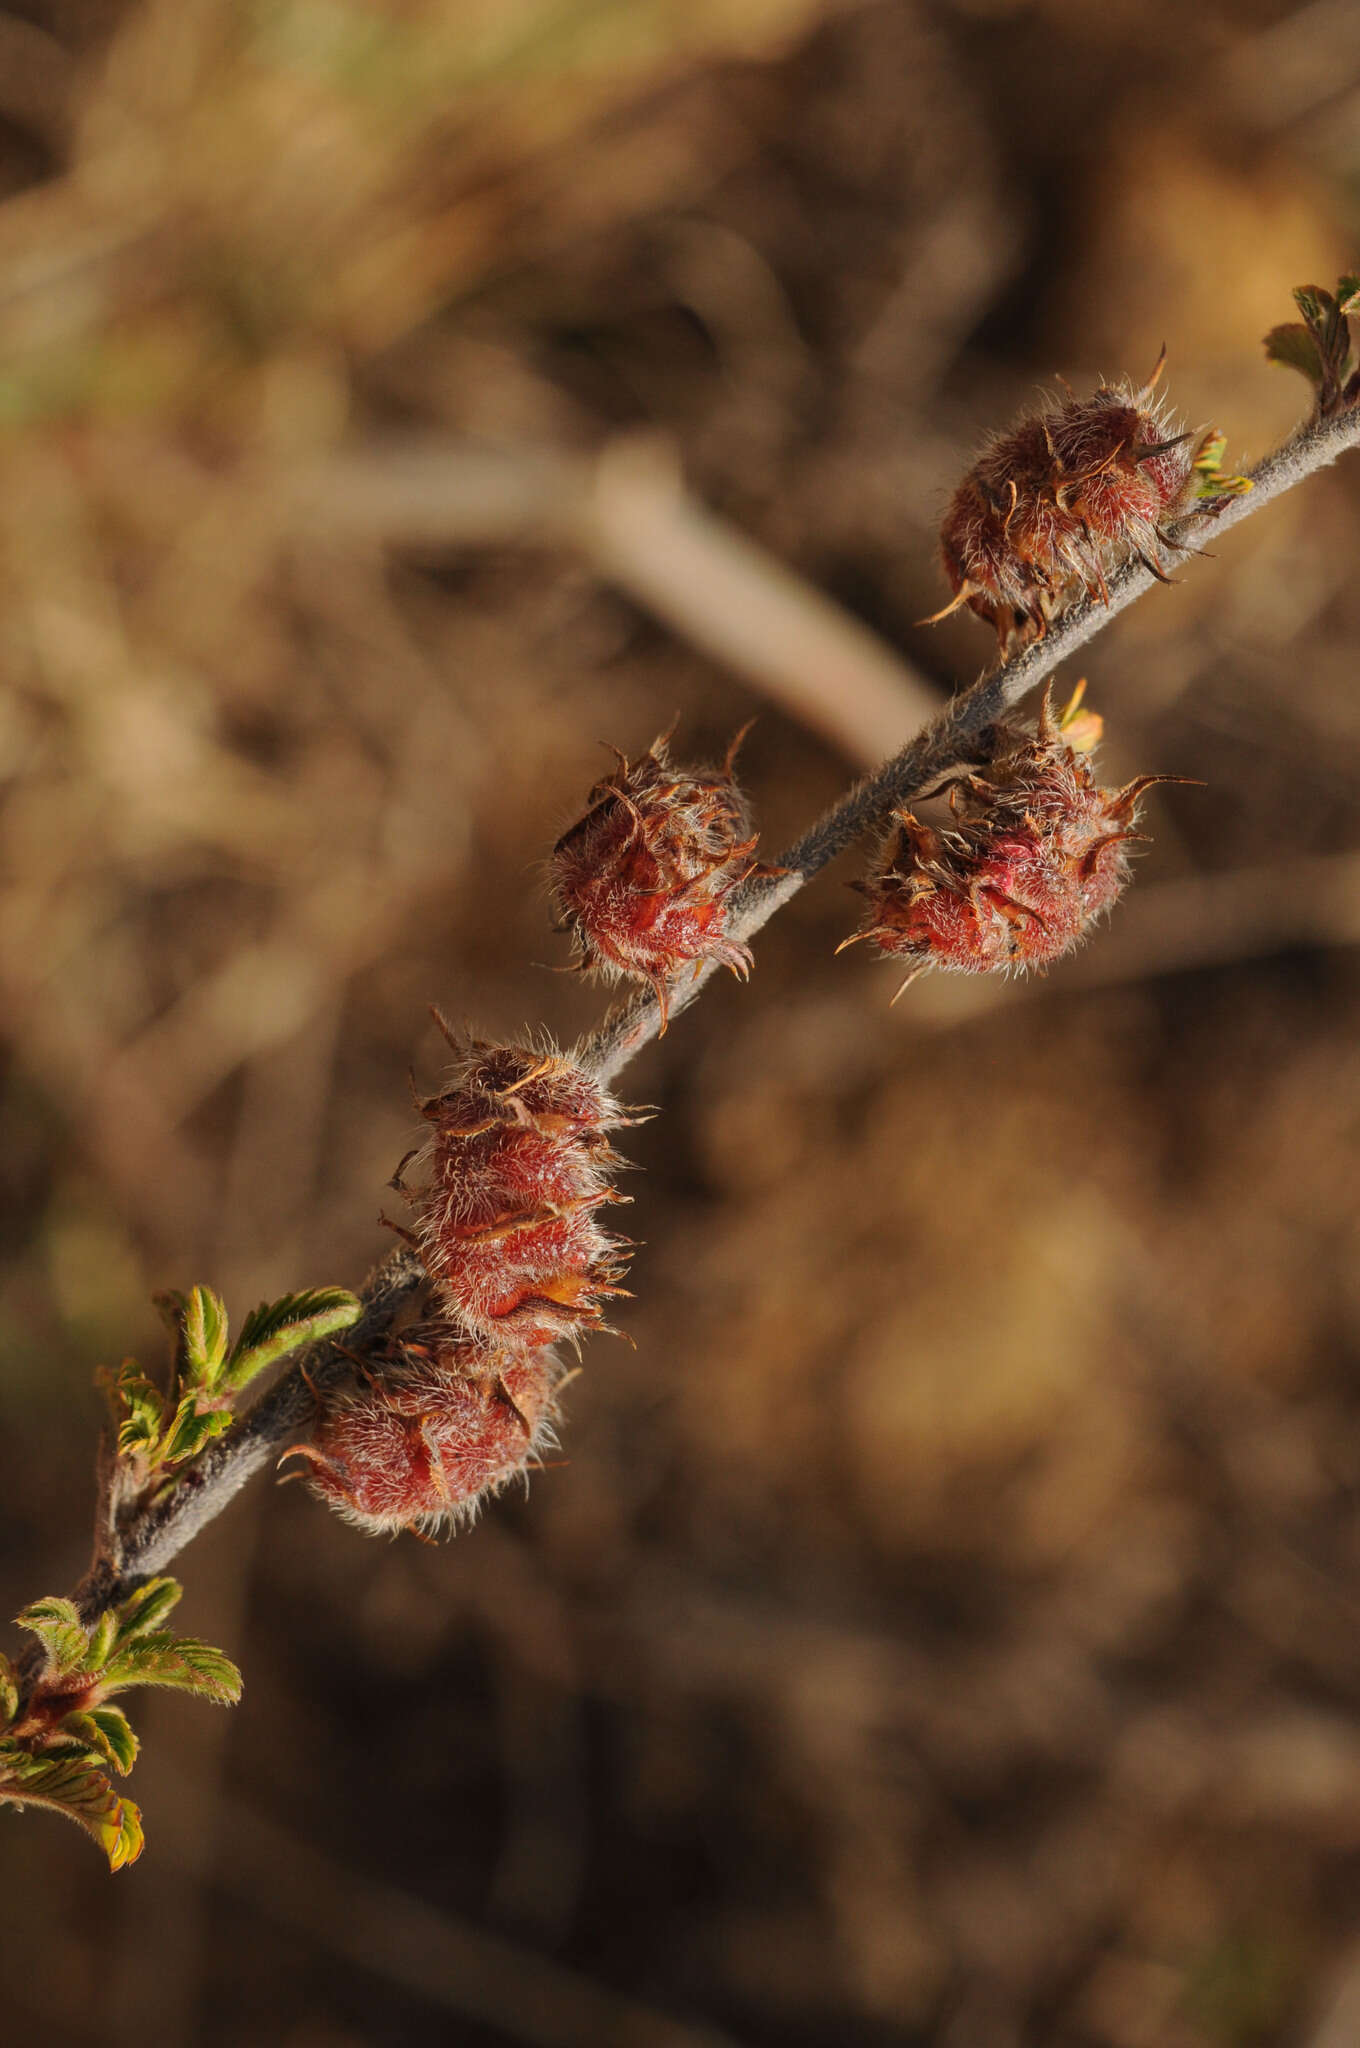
column 518, row 1163
column 432, row 1426
column 514, row 1173
column 1058, row 503
column 511, row 1179
column 1033, row 853
column 643, row 881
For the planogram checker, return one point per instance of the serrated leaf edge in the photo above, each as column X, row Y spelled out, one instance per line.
column 113, row 1821
column 274, row 1329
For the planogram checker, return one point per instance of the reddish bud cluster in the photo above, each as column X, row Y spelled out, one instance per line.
column 643, row 880
column 1033, row 855
column 1057, row 504
column 516, row 1166
column 441, row 1423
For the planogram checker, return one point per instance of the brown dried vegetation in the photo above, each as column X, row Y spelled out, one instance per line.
column 945, row 1629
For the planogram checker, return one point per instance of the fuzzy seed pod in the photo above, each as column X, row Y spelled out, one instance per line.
column 516, row 1166
column 642, row 881
column 1033, row 855
column 441, row 1424
column 1056, row 505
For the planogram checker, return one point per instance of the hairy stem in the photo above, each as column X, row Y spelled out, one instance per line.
column 146, row 1547
column 129, row 1553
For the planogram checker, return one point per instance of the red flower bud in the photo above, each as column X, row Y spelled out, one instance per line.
column 444, row 1422
column 1033, row 855
column 515, row 1168
column 643, row 880
column 1053, row 507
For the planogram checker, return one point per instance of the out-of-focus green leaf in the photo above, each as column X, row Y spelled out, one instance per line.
column 1329, row 329
column 1294, row 347
column 9, row 1693
column 169, row 1304
column 1314, row 301
column 275, row 1328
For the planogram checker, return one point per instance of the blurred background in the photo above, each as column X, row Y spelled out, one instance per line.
column 943, row 1626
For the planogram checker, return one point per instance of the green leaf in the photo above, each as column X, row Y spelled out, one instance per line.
column 1314, row 301
column 1348, row 295
column 275, row 1328
column 61, row 1632
column 147, row 1607
column 1212, row 480
column 121, row 1745
column 9, row 1692
column 177, row 1661
column 1329, row 330
column 141, row 1408
column 170, row 1305
column 102, row 1639
column 107, row 1733
column 1294, row 347
column 197, row 1420
column 205, row 1338
column 80, row 1790
column 130, row 1840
